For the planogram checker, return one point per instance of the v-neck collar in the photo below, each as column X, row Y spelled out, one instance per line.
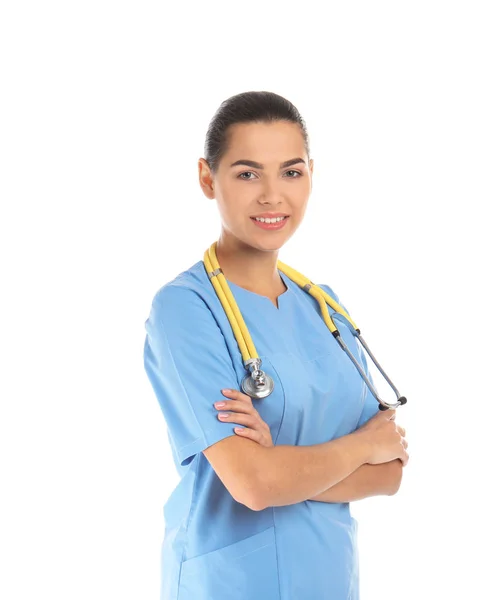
column 280, row 299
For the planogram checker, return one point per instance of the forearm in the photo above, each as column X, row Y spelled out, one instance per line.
column 291, row 474
column 367, row 480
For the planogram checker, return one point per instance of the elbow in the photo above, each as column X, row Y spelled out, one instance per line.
column 256, row 504
column 393, row 491
column 252, row 497
column 253, row 494
column 253, row 488
column 247, row 492
column 251, row 500
column 259, row 501
column 261, row 496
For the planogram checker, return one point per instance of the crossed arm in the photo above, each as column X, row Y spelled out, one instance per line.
column 367, row 480
column 364, row 481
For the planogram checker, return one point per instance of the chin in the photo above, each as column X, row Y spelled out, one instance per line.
column 268, row 246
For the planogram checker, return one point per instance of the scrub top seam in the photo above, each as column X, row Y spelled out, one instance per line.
column 283, row 395
column 189, row 518
column 274, row 508
column 202, row 438
column 277, row 555
column 194, row 441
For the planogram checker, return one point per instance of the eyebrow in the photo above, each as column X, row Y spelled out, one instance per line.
column 256, row 165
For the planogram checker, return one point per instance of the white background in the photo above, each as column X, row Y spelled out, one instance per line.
column 104, row 109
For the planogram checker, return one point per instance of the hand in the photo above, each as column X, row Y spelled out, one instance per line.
column 241, row 410
column 387, row 439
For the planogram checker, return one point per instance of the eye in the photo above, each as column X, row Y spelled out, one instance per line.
column 244, row 173
column 251, row 173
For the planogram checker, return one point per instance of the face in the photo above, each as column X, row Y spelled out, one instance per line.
column 244, row 190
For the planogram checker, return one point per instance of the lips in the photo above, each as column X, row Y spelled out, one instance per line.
column 273, row 226
column 269, row 215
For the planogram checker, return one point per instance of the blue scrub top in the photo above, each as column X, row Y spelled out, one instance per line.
column 215, row 548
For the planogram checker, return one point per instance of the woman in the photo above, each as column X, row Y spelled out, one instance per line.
column 262, row 507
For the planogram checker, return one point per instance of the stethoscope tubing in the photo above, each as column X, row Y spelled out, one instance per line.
column 258, row 384
column 382, row 404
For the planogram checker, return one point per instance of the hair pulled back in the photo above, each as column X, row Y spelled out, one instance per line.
column 247, row 107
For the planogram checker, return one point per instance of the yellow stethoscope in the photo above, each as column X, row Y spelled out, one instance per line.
column 257, row 383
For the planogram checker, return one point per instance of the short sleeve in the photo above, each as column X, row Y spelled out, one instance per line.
column 371, row 404
column 188, row 363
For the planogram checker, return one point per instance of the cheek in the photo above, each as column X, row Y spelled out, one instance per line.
column 298, row 207
column 302, row 211
column 235, row 203
column 305, row 189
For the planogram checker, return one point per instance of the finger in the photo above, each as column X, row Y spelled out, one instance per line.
column 262, row 425
column 401, row 430
column 235, row 406
column 240, row 419
column 252, row 435
column 237, row 395
column 388, row 414
column 241, row 408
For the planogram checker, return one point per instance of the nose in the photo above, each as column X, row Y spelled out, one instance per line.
column 271, row 195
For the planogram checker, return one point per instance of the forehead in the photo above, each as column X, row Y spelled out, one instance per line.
column 265, row 142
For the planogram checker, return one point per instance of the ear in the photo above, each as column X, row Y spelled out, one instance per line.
column 206, row 180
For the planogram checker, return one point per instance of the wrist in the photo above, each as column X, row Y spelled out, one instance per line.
column 364, row 445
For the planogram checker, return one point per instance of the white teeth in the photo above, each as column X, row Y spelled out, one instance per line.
column 262, row 220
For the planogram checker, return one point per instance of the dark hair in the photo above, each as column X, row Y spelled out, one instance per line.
column 247, row 107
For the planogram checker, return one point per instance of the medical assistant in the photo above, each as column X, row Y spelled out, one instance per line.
column 215, row 548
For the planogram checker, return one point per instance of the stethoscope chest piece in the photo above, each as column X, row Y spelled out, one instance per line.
column 257, row 384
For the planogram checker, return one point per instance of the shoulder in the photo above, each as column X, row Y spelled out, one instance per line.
column 184, row 292
column 188, row 302
column 329, row 291
column 333, row 295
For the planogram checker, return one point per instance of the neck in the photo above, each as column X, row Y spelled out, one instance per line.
column 249, row 268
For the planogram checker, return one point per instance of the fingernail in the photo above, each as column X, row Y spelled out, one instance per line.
column 223, row 415
column 239, row 429
column 219, row 404
column 226, row 391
